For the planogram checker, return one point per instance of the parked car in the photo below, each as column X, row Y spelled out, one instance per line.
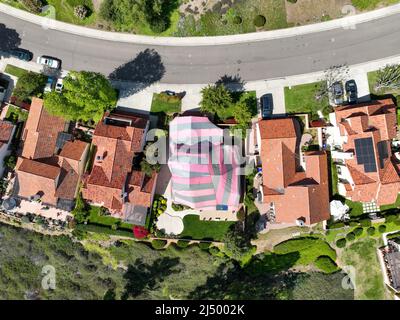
column 59, row 85
column 266, row 105
column 49, row 84
column 351, row 91
column 21, row 54
column 337, row 91
column 49, row 62
column 2, row 93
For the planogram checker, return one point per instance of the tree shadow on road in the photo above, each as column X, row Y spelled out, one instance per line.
column 9, row 39
column 145, row 69
column 234, row 83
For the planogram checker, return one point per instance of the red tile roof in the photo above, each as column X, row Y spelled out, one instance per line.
column 295, row 194
column 376, row 120
column 41, row 132
column 73, row 149
column 117, row 141
column 6, row 129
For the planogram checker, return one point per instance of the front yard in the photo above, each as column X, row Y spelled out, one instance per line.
column 164, row 103
column 302, row 99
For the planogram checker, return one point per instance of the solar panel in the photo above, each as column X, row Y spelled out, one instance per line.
column 383, row 153
column 365, row 154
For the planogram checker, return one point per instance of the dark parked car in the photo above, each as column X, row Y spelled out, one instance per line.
column 337, row 91
column 21, row 54
column 351, row 91
column 266, row 105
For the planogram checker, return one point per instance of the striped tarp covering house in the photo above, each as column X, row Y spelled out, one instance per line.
column 205, row 172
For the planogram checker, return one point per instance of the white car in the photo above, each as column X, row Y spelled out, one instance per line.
column 59, row 85
column 49, row 62
column 2, row 94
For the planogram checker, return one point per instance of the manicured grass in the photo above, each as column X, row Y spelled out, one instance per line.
column 198, row 229
column 301, row 99
column 164, row 103
column 15, row 71
column 98, row 219
column 309, row 249
column 372, row 77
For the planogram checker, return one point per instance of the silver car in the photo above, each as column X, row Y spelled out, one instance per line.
column 49, row 62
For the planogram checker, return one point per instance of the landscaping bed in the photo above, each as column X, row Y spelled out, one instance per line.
column 164, row 103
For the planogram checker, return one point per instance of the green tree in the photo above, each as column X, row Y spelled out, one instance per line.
column 10, row 161
column 80, row 212
column 28, row 85
column 242, row 116
column 237, row 244
column 216, row 99
column 388, row 78
column 86, row 95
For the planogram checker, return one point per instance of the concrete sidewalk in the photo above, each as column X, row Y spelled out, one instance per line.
column 348, row 22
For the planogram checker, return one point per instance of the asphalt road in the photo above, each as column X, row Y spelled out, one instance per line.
column 251, row 61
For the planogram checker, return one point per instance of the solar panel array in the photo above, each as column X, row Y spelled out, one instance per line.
column 383, row 153
column 365, row 154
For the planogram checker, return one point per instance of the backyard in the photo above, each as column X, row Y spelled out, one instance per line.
column 194, row 228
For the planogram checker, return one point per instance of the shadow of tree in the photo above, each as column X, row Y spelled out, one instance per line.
column 142, row 277
column 9, row 39
column 233, row 83
column 145, row 69
column 265, row 278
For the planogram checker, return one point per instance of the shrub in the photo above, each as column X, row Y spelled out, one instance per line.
column 33, row 5
column 214, row 250
column 390, row 218
column 158, row 244
column 179, row 207
column 114, row 226
column 259, row 21
column 204, row 245
column 326, row 264
column 182, row 243
column 358, row 231
column 365, row 223
column 237, row 20
column 80, row 12
column 336, row 225
column 158, row 25
column 240, row 215
column 140, row 232
column 341, row 243
column 382, row 228
column 353, row 223
column 350, row 236
column 371, row 231
column 397, row 222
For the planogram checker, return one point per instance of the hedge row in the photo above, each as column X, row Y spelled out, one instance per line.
column 105, row 230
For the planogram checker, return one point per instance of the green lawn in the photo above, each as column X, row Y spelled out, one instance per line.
column 372, row 76
column 301, row 99
column 98, row 219
column 309, row 249
column 198, row 229
column 15, row 71
column 65, row 11
column 164, row 103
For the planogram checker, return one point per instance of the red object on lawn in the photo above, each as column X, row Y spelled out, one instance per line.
column 140, row 232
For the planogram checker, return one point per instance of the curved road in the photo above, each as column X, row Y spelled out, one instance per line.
column 186, row 65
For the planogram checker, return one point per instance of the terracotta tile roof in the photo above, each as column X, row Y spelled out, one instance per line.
column 73, row 149
column 295, row 194
column 116, row 141
column 277, row 128
column 6, row 129
column 41, row 132
column 39, row 169
column 375, row 120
